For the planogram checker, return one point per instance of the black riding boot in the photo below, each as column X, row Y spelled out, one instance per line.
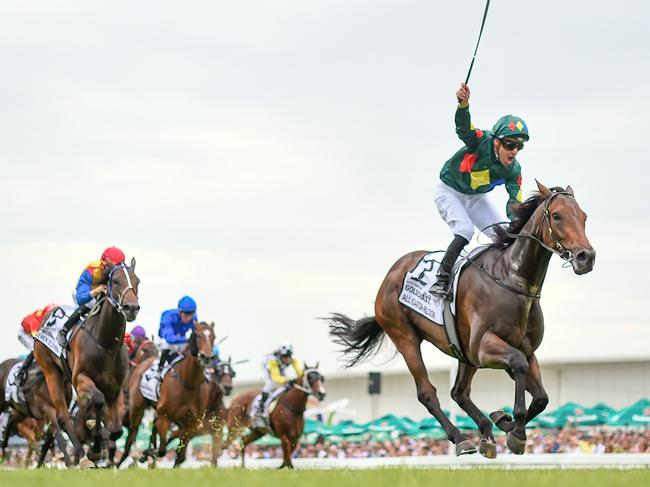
column 74, row 317
column 260, row 405
column 22, row 373
column 164, row 356
column 441, row 286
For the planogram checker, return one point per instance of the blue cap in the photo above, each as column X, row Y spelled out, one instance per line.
column 187, row 305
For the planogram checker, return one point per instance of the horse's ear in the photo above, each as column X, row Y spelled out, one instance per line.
column 109, row 262
column 317, row 364
column 133, row 263
column 569, row 190
column 212, row 325
column 543, row 190
column 229, row 359
column 305, row 366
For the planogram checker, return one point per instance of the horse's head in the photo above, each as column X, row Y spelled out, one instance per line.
column 313, row 380
column 122, row 288
column 146, row 349
column 562, row 228
column 223, row 376
column 201, row 342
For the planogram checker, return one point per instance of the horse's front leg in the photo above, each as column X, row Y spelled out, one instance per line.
column 460, row 394
column 495, row 353
column 92, row 398
column 114, row 415
column 539, row 402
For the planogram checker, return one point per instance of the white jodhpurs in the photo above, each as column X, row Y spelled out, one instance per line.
column 463, row 212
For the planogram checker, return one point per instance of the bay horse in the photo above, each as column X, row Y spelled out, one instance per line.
column 215, row 390
column 181, row 398
column 498, row 315
column 29, row 419
column 144, row 350
column 98, row 365
column 287, row 419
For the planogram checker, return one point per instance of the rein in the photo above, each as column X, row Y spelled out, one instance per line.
column 559, row 250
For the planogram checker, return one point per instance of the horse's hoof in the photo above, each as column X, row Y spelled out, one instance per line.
column 502, row 420
column 465, row 447
column 488, row 448
column 93, row 456
column 515, row 445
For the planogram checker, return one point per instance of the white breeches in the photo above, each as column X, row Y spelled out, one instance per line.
column 463, row 212
column 163, row 344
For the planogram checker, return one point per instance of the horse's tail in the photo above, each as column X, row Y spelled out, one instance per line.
column 360, row 339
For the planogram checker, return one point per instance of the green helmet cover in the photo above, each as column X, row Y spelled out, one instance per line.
column 510, row 126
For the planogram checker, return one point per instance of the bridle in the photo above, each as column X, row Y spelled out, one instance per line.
column 558, row 249
column 118, row 304
column 306, row 386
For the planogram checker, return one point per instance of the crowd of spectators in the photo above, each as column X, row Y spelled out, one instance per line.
column 567, row 440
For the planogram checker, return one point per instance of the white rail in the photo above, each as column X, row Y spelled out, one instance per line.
column 551, row 460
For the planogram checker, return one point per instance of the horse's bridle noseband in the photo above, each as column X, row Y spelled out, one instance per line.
column 118, row 305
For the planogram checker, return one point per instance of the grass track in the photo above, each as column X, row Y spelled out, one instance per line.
column 389, row 477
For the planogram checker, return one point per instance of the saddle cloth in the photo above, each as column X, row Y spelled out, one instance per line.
column 149, row 384
column 50, row 329
column 269, row 406
column 417, row 283
column 13, row 393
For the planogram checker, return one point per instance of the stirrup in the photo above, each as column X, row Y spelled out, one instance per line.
column 440, row 287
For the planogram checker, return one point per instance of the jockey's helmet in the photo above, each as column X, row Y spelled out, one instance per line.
column 187, row 305
column 115, row 254
column 285, row 350
column 138, row 332
column 511, row 127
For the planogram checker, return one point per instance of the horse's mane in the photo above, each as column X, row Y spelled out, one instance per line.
column 521, row 213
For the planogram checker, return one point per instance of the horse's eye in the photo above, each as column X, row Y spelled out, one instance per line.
column 556, row 216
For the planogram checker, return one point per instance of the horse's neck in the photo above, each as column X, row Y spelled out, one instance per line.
column 295, row 400
column 108, row 327
column 190, row 370
column 526, row 261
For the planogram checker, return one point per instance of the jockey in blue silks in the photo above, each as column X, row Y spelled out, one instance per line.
column 174, row 325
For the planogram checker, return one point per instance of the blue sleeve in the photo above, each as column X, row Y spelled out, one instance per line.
column 83, row 288
column 166, row 331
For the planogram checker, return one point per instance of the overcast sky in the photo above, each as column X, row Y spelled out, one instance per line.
column 273, row 159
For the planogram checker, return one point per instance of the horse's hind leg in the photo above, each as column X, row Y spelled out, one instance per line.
column 408, row 343
column 460, row 394
column 495, row 353
column 249, row 438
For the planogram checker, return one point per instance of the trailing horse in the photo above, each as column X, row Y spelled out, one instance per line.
column 287, row 419
column 29, row 417
column 215, row 390
column 97, row 364
column 181, row 401
column 498, row 315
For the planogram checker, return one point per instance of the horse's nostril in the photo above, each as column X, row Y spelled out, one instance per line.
column 582, row 257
